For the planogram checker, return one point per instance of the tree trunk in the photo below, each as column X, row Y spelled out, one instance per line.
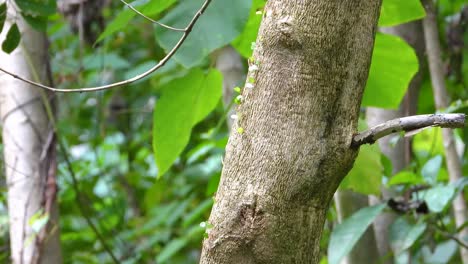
column 283, row 167
column 29, row 150
column 454, row 166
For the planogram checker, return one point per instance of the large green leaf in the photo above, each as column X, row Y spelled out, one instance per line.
column 366, row 175
column 120, row 22
column 243, row 43
column 396, row 12
column 3, row 13
column 39, row 23
column 220, row 24
column 184, row 102
column 405, row 177
column 403, row 235
column 42, row 8
column 442, row 253
column 438, row 197
column 431, row 169
column 346, row 234
column 394, row 63
column 12, row 39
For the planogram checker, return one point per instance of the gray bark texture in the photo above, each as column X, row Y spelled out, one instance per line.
column 298, row 120
column 29, row 150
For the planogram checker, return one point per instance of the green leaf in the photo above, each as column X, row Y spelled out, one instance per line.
column 431, row 169
column 3, row 13
column 439, row 197
column 120, row 22
column 394, row 63
column 39, row 23
column 184, row 102
column 109, row 60
column 212, row 186
column 38, row 221
column 171, row 249
column 346, row 234
column 366, row 175
column 177, row 244
column 198, row 212
column 403, row 235
column 387, row 165
column 442, row 253
column 42, row 8
column 396, row 12
column 405, row 177
column 244, row 41
column 12, row 40
column 220, row 24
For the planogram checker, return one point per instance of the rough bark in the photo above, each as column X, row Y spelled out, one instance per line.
column 29, row 151
column 452, row 159
column 399, row 154
column 298, row 120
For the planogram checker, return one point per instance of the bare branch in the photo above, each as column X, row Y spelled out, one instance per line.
column 408, row 124
column 448, row 235
column 150, row 19
column 161, row 63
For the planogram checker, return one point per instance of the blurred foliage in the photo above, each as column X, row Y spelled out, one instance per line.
column 148, row 214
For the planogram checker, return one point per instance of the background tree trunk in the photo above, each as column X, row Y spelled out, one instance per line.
column 454, row 166
column 229, row 63
column 298, row 120
column 29, row 150
column 399, row 154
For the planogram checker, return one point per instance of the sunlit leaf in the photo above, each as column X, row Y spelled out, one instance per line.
column 394, row 63
column 396, row 12
column 249, row 35
column 184, row 102
column 366, row 175
column 405, row 177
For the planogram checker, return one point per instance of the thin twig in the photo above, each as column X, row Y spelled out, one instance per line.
column 451, row 236
column 408, row 124
column 79, row 202
column 161, row 63
column 150, row 19
column 50, row 114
